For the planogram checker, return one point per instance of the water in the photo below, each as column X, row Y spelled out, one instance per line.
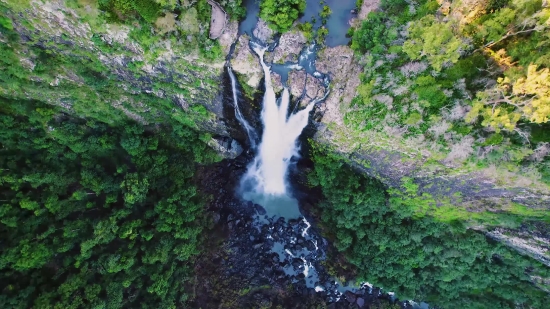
column 252, row 12
column 265, row 182
column 249, row 129
column 337, row 23
column 267, row 175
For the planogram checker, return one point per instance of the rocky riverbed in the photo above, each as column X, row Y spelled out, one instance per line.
column 254, row 261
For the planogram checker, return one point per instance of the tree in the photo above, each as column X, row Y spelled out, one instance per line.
column 502, row 106
column 280, row 14
column 93, row 215
column 434, row 40
column 373, row 35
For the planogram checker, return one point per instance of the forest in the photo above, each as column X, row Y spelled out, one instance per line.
column 97, row 209
column 446, row 265
column 94, row 215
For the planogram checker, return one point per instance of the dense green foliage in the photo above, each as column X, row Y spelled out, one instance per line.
column 147, row 9
column 280, row 14
column 95, row 215
column 445, row 80
column 422, row 259
column 97, row 208
column 373, row 35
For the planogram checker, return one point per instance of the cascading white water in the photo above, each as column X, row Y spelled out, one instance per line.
column 249, row 130
column 268, row 172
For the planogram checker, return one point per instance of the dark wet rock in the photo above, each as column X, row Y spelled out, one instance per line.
column 360, row 302
column 226, row 147
column 261, row 211
column 350, row 297
column 243, row 271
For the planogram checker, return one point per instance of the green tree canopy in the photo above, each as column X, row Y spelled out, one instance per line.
column 433, row 40
column 280, row 14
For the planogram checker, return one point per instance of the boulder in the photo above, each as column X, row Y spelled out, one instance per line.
column 289, row 47
column 302, row 83
column 350, row 297
column 297, row 82
column 226, row 147
column 229, row 36
column 245, row 62
column 262, row 32
column 276, row 81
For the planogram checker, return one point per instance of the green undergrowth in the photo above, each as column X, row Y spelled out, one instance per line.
column 451, row 208
column 279, row 14
column 425, row 258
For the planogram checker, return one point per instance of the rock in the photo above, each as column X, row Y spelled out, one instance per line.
column 229, row 36
column 297, row 262
column 296, row 82
column 360, row 302
column 314, row 88
column 245, row 62
column 366, row 7
column 226, row 147
column 262, row 32
column 216, row 217
column 344, row 72
column 276, row 82
column 259, row 209
column 350, row 297
column 302, row 83
column 289, row 47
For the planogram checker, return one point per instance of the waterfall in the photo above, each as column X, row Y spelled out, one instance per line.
column 249, row 130
column 278, row 145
